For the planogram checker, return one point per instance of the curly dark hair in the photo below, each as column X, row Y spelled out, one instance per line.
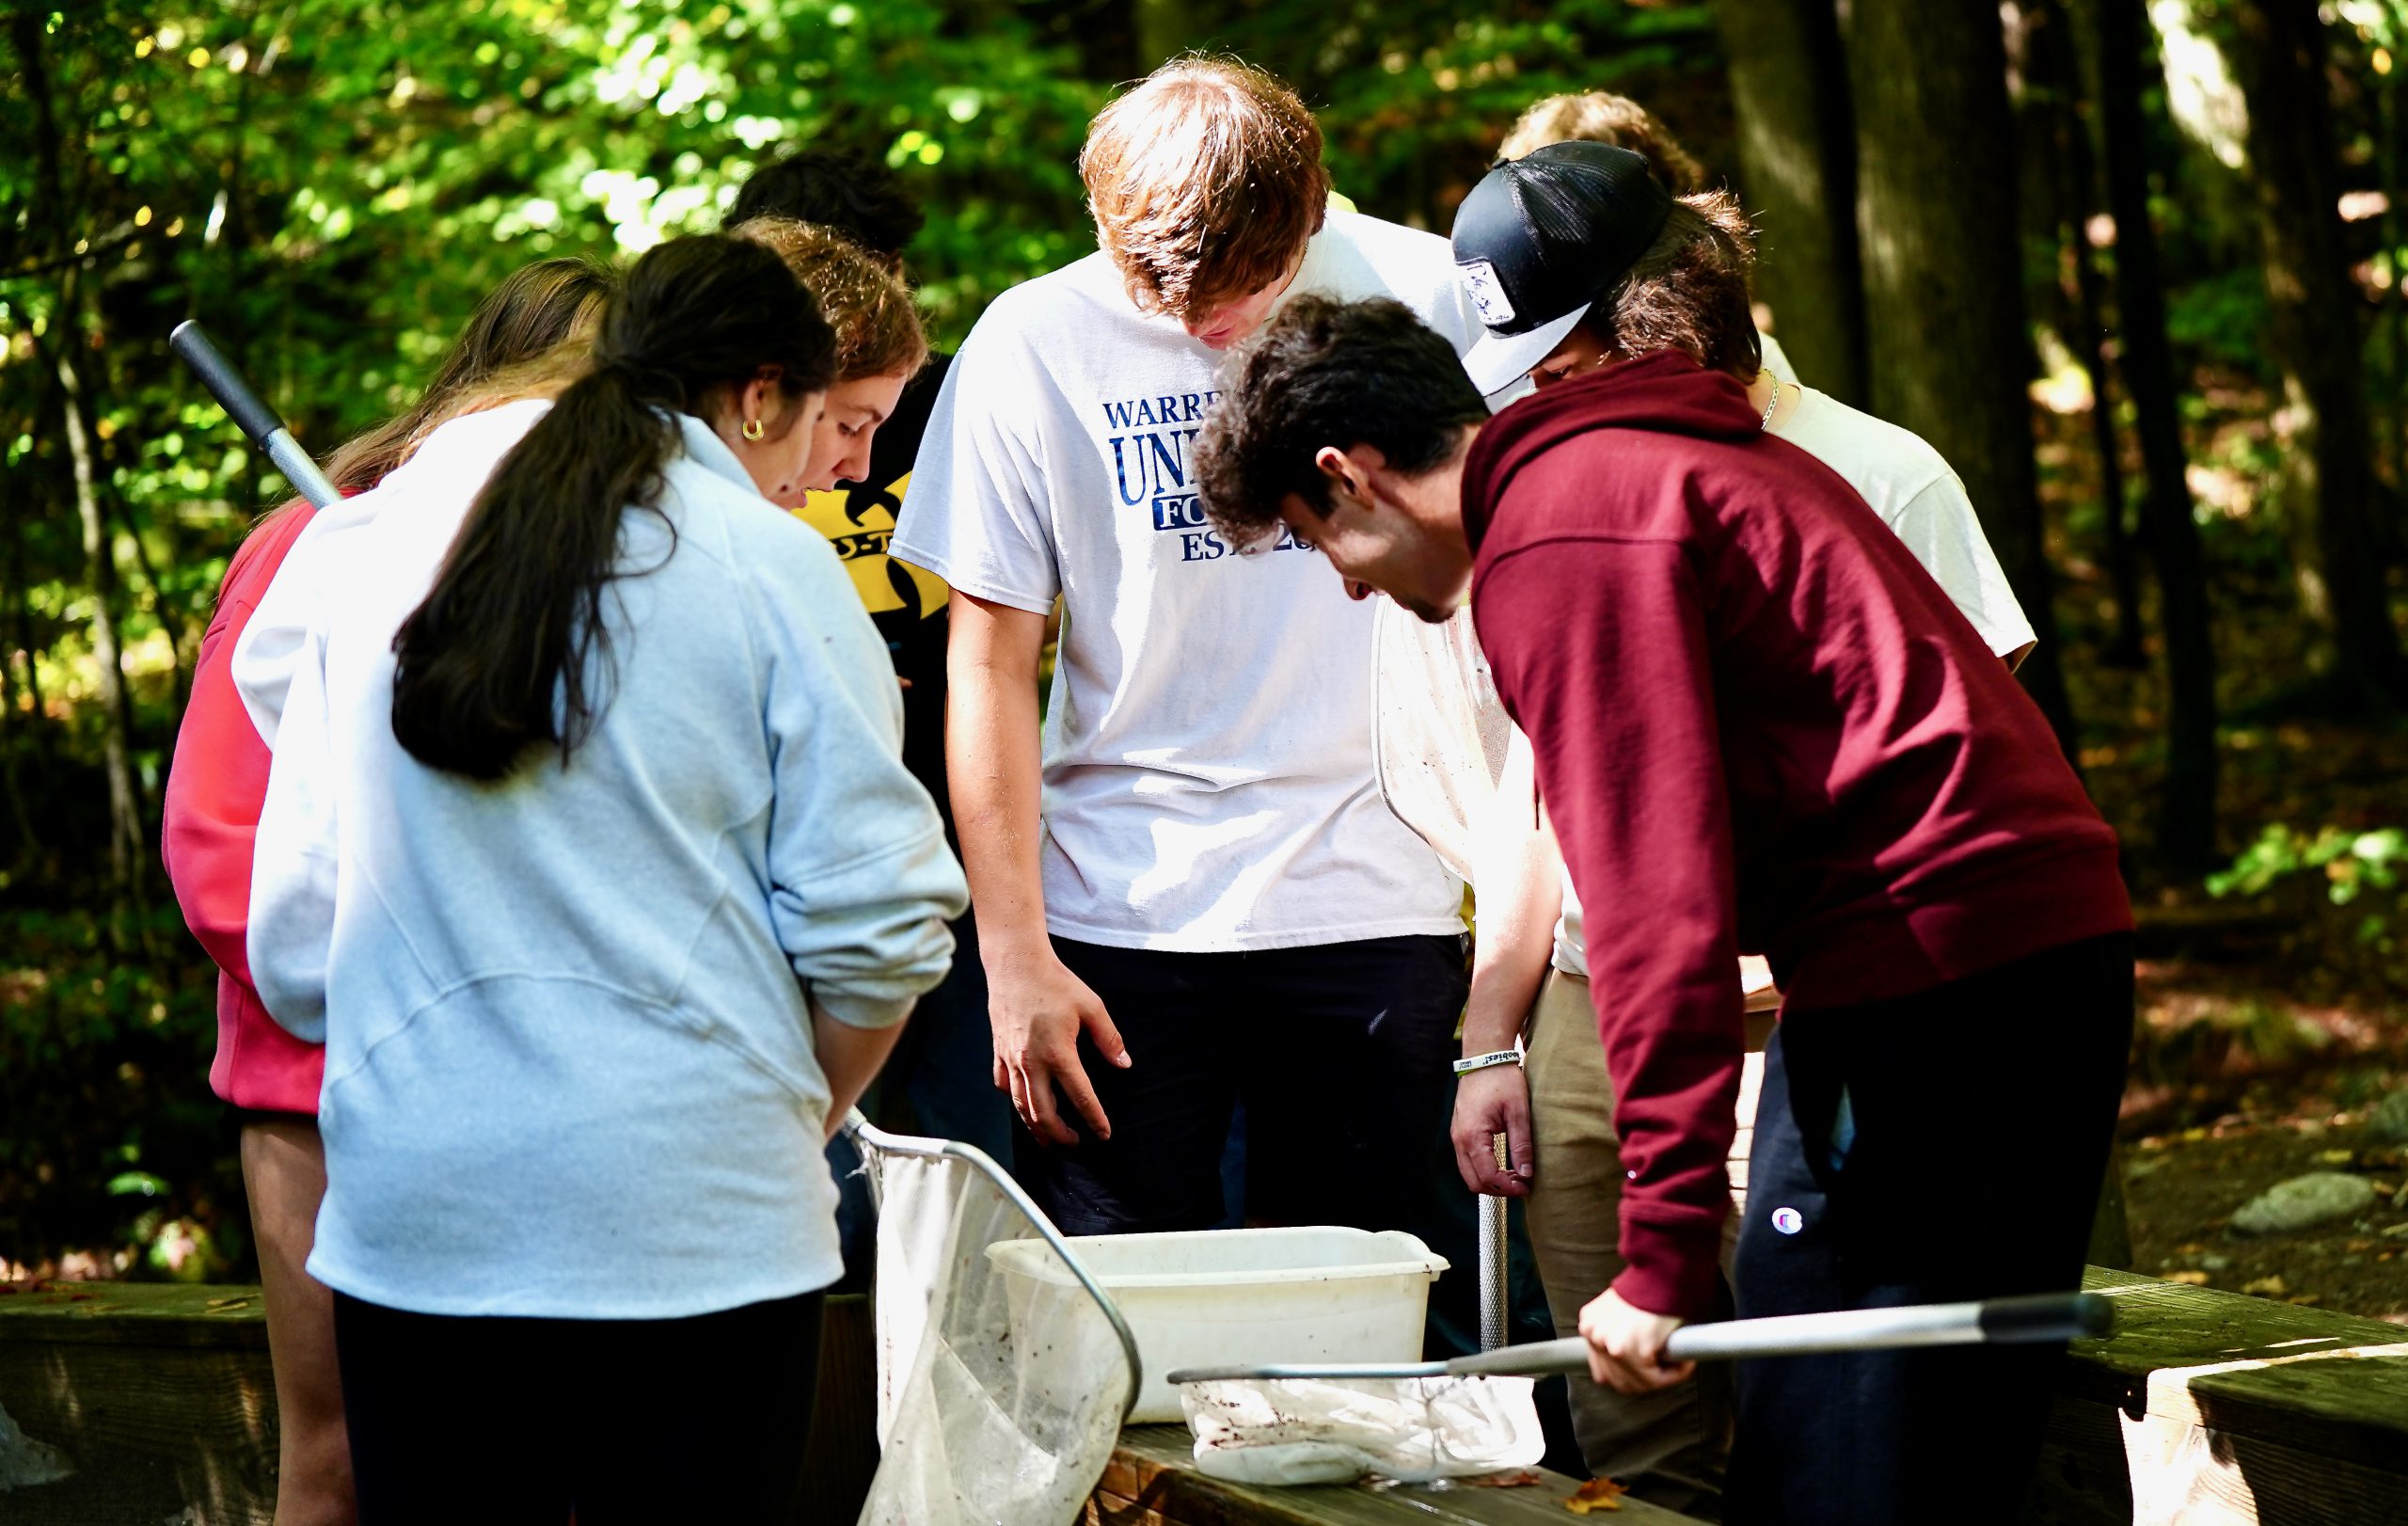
column 1327, row 373
column 855, row 195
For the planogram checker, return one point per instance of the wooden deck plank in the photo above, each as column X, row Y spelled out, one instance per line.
column 135, row 1313
column 2273, row 1413
column 164, row 1406
column 2302, row 1380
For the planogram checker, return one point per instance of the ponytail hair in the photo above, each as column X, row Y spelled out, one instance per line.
column 496, row 659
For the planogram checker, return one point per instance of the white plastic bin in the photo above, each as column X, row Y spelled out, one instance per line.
column 1214, row 1298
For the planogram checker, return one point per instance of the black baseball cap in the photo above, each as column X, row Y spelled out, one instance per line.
column 1541, row 238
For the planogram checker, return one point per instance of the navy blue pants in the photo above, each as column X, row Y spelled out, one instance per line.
column 1342, row 1052
column 1982, row 1112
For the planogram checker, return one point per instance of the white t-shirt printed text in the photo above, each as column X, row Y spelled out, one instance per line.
column 1208, row 764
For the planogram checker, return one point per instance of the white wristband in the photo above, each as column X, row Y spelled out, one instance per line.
column 1481, row 1062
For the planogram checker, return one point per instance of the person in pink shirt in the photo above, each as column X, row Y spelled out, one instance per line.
column 214, row 790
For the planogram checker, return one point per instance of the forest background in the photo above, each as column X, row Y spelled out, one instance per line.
column 2135, row 266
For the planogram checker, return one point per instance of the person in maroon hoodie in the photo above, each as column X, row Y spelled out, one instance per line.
column 214, row 789
column 1760, row 727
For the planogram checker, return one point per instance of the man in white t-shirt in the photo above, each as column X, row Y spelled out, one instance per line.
column 1193, row 893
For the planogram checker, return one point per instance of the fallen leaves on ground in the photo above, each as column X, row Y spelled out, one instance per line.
column 1596, row 1494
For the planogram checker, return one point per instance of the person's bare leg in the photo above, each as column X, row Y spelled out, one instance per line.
column 284, row 1171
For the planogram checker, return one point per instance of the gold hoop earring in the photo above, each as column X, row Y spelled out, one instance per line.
column 752, row 430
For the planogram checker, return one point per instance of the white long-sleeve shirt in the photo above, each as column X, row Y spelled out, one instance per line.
column 570, row 1069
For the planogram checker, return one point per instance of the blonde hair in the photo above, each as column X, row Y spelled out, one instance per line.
column 1617, row 121
column 877, row 329
column 1206, row 182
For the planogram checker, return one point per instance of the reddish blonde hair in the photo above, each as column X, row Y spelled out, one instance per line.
column 1206, row 181
column 878, row 330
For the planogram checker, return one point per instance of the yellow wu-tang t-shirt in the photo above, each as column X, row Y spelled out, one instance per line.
column 859, row 521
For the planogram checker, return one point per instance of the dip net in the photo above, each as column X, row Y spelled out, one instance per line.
column 1003, row 1371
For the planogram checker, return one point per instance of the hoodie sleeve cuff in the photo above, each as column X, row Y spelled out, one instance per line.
column 1672, row 1268
column 859, row 1011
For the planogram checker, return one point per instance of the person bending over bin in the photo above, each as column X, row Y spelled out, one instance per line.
column 1759, row 727
column 1211, row 899
column 937, row 1081
column 1628, row 267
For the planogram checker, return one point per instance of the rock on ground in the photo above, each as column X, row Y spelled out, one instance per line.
column 2389, row 1121
column 24, row 1461
column 2305, row 1200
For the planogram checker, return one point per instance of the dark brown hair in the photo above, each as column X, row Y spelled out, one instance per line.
column 534, row 309
column 1689, row 292
column 1327, row 373
column 495, row 662
column 852, row 193
column 1206, row 180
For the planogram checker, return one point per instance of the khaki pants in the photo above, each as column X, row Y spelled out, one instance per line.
column 1668, row 1446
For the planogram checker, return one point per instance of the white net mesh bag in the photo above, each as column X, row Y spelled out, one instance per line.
column 1414, row 1430
column 1002, row 1378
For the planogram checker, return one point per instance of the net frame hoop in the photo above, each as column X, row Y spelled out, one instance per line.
column 868, row 1137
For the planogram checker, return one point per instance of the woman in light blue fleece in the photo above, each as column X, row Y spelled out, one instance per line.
column 589, row 850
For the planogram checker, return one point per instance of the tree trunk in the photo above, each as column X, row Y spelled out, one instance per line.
column 2057, row 79
column 11, row 780
column 127, row 850
column 1163, row 29
column 2186, row 810
column 2395, row 306
column 126, row 853
column 1950, row 354
column 184, row 633
column 24, row 629
column 2317, row 339
column 1798, row 164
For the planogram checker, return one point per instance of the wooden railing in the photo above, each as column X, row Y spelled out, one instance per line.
column 2205, row 1408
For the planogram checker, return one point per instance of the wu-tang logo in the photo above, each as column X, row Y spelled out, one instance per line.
column 859, row 521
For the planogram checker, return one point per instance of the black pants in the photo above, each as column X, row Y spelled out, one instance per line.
column 1341, row 1051
column 1982, row 1114
column 465, row 1420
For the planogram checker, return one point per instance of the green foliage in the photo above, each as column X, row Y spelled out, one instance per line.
column 2355, row 932
column 2221, row 319
column 332, row 184
column 1414, row 97
column 2350, row 862
column 112, row 1142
